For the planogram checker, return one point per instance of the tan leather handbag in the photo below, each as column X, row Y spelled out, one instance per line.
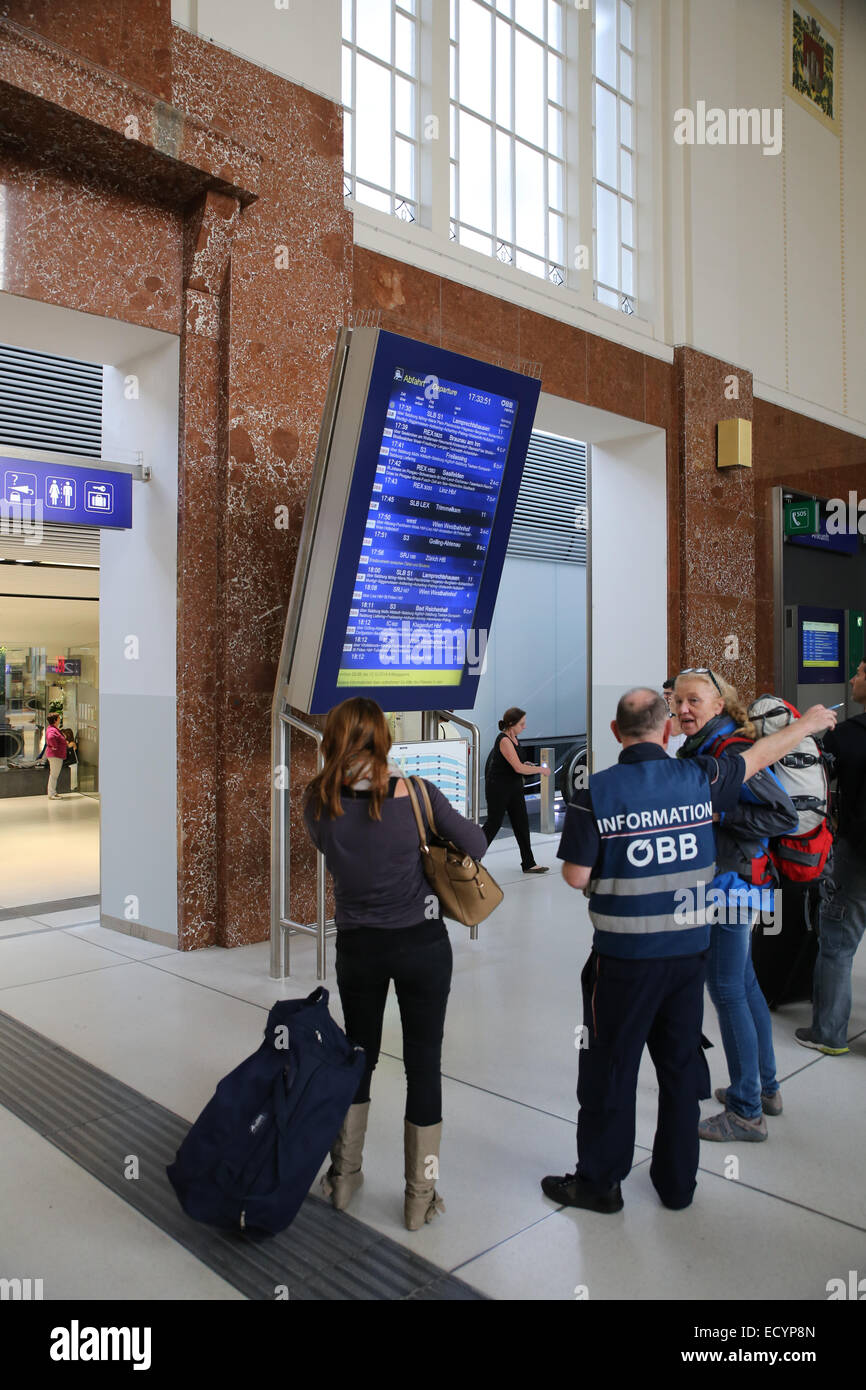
column 467, row 893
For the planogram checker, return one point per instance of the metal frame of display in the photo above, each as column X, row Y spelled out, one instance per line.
column 284, row 717
column 282, row 925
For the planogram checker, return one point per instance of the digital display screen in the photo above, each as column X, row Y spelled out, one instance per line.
column 410, row 511
column 821, row 647
column 427, row 532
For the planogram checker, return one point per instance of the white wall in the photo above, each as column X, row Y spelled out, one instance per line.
column 629, row 600
column 764, row 238
column 138, row 612
column 536, row 653
column 301, row 40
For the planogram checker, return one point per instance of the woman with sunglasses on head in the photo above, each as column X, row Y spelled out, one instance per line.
column 715, row 723
column 359, row 815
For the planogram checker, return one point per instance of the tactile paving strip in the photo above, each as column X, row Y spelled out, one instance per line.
column 98, row 1121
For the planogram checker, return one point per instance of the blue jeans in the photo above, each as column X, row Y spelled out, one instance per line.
column 841, row 924
column 744, row 1019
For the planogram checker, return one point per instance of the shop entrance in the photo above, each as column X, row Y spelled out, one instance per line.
column 88, row 603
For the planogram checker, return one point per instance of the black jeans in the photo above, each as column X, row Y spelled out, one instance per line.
column 418, row 959
column 502, row 797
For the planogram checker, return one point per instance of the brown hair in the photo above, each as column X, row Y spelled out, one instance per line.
column 355, row 744
column 733, row 704
column 511, row 717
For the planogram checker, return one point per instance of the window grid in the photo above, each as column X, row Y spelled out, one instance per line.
column 398, row 192
column 500, row 237
column 621, row 295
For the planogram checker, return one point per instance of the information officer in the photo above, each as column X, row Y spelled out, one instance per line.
column 641, row 839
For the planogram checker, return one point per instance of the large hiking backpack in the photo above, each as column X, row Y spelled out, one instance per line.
column 760, row 870
column 249, row 1160
column 806, row 855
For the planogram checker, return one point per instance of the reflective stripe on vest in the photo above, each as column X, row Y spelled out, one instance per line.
column 655, row 820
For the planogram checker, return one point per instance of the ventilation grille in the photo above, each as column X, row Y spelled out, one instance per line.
column 59, row 545
column 50, row 403
column 550, row 521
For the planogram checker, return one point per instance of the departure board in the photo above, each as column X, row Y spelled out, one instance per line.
column 437, row 481
column 821, row 645
column 413, row 492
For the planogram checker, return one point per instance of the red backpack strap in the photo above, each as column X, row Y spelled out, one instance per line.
column 718, row 745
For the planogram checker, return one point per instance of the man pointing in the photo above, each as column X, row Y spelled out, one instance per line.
column 641, row 840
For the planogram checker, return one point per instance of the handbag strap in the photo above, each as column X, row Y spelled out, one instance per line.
column 425, row 796
column 422, row 836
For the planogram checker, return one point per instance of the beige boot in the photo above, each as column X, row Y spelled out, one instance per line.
column 421, row 1148
column 344, row 1176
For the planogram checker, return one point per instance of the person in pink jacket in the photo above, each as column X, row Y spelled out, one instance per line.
column 56, row 749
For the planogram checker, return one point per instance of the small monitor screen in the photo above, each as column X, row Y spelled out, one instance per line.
column 820, row 645
column 428, row 526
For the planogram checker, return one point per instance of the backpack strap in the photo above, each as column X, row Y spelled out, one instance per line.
column 718, row 745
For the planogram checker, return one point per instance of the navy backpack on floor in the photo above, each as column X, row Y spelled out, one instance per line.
column 249, row 1160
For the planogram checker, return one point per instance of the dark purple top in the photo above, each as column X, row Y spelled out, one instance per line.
column 376, row 865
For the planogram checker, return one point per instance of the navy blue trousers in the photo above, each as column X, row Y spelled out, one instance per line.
column 626, row 1004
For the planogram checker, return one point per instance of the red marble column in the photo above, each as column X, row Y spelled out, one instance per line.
column 201, row 505
column 288, row 293
column 717, row 590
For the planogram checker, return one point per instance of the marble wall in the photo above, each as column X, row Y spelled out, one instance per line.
column 129, row 37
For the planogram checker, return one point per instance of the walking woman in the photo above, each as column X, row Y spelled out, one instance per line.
column 359, row 815
column 503, row 782
column 715, row 722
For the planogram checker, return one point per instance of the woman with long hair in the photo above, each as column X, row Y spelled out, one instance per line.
column 503, row 784
column 715, row 722
column 358, row 813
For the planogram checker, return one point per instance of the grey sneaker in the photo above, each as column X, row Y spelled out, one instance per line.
column 728, row 1126
column 806, row 1038
column 771, row 1105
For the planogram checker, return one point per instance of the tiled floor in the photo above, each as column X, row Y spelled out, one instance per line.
column 50, row 848
column 172, row 1024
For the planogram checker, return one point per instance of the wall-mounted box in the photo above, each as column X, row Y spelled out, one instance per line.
column 734, row 444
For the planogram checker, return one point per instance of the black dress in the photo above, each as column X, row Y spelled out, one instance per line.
column 505, row 794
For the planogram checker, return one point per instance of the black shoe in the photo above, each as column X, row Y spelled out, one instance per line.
column 573, row 1191
column 537, row 869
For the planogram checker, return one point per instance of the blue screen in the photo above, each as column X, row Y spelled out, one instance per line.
column 821, row 646
column 437, row 472
column 427, row 532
